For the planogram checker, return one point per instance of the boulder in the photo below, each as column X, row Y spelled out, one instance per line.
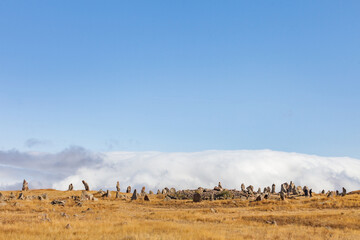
column 21, row 196
column 260, row 197
column 197, row 197
column 58, row 202
column 107, row 194
column 86, row 196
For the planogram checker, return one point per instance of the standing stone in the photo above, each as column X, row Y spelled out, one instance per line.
column 142, row 191
column 343, row 191
column 282, row 196
column 158, row 191
column 331, row 194
column 25, row 185
column 299, row 190
column 151, row 192
column 273, row 189
column 219, row 185
column 117, row 194
column 86, row 185
column 265, row 190
column 337, row 193
column 306, row 191
column 323, row 191
column 243, row 187
column 128, row 189
column 146, row 198
column 259, row 191
column 71, row 187
column 310, row 192
column 134, row 196
column 172, row 190
column 197, row 197
column 283, row 188
column 118, row 186
column 164, row 191
column 212, row 197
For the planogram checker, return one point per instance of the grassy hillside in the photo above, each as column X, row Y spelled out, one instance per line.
column 301, row 218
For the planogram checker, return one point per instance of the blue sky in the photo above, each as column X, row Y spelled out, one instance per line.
column 180, row 76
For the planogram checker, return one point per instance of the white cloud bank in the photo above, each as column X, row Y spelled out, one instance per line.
column 156, row 170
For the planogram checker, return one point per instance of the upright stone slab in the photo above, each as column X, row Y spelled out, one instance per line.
column 86, row 185
column 134, row 196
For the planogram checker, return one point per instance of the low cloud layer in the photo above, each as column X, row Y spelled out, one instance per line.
column 156, row 170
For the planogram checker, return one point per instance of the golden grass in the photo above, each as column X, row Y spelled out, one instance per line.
column 316, row 218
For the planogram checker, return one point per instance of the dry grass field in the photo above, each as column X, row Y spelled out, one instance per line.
column 303, row 218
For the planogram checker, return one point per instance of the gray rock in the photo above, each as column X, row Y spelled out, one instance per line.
column 197, row 197
column 134, row 196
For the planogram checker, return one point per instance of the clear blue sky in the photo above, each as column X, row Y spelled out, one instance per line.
column 180, row 75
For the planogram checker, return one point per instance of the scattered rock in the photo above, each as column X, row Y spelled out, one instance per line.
column 64, row 215
column 68, row 226
column 58, row 202
column 87, row 196
column 21, row 196
column 107, row 194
